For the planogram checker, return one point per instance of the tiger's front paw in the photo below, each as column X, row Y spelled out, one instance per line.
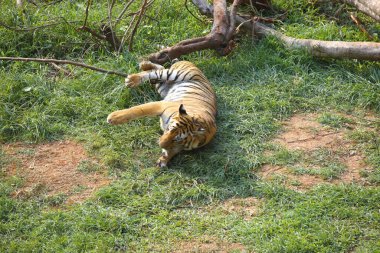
column 115, row 118
column 162, row 162
column 133, row 80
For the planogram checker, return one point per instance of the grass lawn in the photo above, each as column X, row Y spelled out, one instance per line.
column 243, row 192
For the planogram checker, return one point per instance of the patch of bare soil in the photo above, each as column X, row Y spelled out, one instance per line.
column 303, row 132
column 295, row 182
column 208, row 246
column 244, row 207
column 52, row 168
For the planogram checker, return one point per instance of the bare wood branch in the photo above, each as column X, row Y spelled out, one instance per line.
column 331, row 49
column 369, row 7
column 93, row 32
column 218, row 38
column 224, row 28
column 214, row 40
column 64, row 62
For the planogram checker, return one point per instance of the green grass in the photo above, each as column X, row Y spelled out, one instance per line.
column 369, row 141
column 334, row 120
column 146, row 209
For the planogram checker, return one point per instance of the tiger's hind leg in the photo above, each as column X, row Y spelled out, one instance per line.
column 147, row 65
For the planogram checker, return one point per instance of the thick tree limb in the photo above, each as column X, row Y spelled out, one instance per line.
column 320, row 48
column 369, row 7
column 331, row 49
column 64, row 62
column 217, row 39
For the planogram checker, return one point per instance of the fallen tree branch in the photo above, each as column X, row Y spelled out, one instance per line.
column 64, row 62
column 332, row 49
column 217, row 39
column 320, row 48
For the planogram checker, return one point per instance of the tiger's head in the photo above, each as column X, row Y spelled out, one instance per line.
column 183, row 132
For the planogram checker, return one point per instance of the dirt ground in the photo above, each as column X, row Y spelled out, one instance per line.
column 247, row 208
column 209, row 245
column 304, row 133
column 64, row 167
column 53, row 169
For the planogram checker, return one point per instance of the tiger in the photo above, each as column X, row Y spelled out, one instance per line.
column 187, row 110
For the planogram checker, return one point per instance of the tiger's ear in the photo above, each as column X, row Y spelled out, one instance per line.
column 182, row 110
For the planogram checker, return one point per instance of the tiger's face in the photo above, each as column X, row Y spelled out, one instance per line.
column 183, row 132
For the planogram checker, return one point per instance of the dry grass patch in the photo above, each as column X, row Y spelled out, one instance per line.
column 244, row 207
column 209, row 245
column 305, row 134
column 54, row 168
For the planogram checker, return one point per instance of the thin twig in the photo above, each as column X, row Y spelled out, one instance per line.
column 59, row 68
column 31, row 29
column 142, row 10
column 123, row 11
column 125, row 35
column 241, row 24
column 64, row 62
column 192, row 14
column 359, row 24
column 339, row 10
column 110, row 7
column 233, row 11
column 87, row 7
column 254, row 9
